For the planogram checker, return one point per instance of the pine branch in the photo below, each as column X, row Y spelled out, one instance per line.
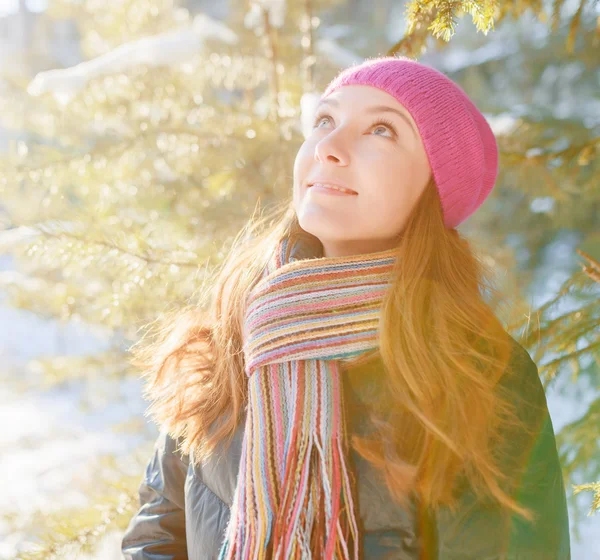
column 595, row 488
column 439, row 17
column 579, row 445
column 68, row 533
column 113, row 246
column 593, row 270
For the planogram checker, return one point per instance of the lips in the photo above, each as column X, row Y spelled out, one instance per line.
column 332, row 184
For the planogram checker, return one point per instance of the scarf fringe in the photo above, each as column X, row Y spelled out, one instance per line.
column 317, row 500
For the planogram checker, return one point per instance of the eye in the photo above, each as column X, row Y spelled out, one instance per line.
column 379, row 122
column 385, row 123
column 318, row 119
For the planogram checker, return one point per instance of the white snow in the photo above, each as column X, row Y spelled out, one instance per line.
column 169, row 48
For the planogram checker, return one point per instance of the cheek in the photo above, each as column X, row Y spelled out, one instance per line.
column 302, row 165
column 303, row 160
column 387, row 183
column 299, row 174
column 389, row 195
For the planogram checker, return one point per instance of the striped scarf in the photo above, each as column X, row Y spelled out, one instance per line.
column 293, row 498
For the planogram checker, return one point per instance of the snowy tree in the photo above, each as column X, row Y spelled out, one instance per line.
column 137, row 166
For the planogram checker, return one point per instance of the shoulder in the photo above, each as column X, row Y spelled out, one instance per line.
column 169, row 448
column 521, row 384
column 522, row 362
column 364, row 377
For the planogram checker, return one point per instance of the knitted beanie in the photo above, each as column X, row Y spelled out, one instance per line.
column 460, row 145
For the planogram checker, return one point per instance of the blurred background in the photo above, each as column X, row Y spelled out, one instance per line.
column 138, row 136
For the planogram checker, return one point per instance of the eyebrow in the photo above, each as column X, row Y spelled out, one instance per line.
column 375, row 109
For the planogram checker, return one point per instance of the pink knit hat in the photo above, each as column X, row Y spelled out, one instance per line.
column 460, row 144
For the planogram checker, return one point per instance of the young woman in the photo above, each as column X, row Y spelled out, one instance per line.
column 350, row 392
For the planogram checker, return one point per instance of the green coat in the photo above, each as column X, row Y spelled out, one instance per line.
column 184, row 510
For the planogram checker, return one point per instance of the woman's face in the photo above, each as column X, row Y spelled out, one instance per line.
column 384, row 163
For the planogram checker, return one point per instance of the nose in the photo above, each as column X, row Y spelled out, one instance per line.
column 330, row 149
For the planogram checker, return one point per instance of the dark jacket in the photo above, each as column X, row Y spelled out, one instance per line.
column 184, row 510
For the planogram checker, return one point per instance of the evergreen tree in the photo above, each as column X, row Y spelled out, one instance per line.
column 139, row 166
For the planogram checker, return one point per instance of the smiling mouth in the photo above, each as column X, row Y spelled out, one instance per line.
column 331, row 187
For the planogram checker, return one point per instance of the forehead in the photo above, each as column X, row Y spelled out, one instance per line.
column 362, row 95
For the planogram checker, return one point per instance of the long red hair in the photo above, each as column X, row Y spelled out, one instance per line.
column 442, row 346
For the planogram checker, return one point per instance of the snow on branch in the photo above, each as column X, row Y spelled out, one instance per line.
column 169, row 48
